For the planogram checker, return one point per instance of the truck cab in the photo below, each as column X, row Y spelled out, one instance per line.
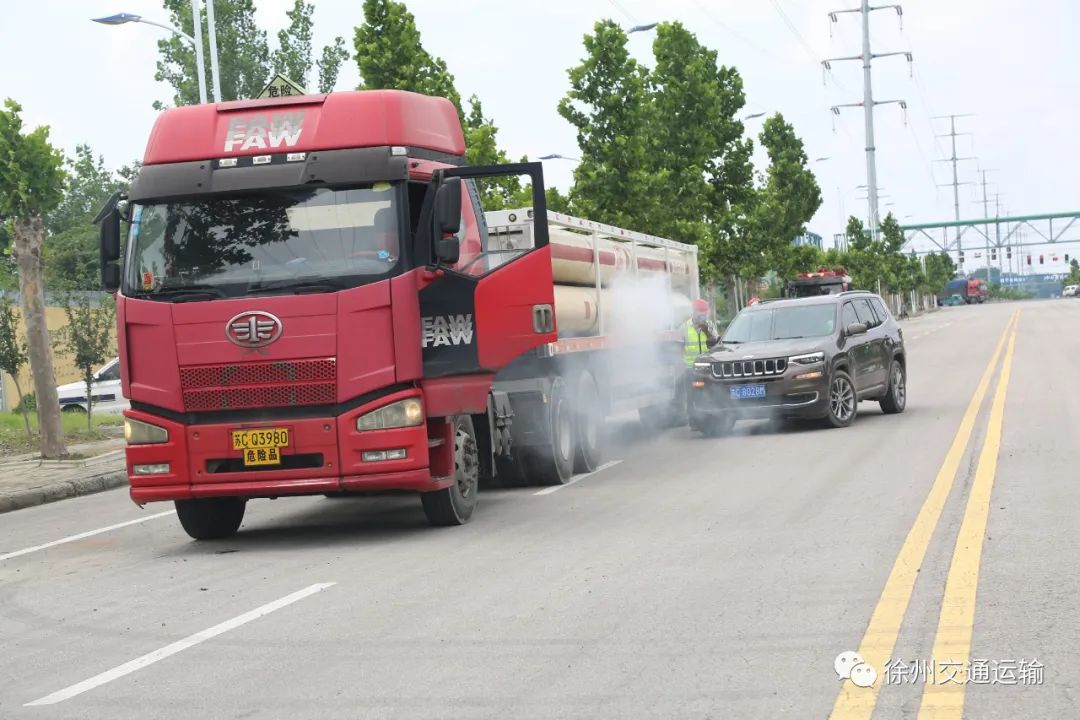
column 306, row 304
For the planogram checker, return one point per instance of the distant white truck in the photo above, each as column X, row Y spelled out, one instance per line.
column 1070, row 291
column 105, row 392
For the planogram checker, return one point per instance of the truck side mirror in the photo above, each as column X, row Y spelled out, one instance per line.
column 110, row 250
column 448, row 221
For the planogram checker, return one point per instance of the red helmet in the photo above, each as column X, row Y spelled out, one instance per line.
column 700, row 307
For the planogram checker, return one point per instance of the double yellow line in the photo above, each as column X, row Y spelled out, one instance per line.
column 952, row 642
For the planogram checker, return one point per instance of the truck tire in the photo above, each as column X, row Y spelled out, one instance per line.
column 589, row 430
column 211, row 518
column 454, row 505
column 553, row 462
column 895, row 399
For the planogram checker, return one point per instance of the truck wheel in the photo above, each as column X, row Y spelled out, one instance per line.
column 842, row 401
column 211, row 518
column 588, row 425
column 553, row 462
column 454, row 505
column 895, row 399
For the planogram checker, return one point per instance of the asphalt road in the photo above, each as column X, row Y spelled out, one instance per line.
column 695, row 579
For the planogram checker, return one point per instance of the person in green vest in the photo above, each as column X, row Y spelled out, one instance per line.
column 701, row 335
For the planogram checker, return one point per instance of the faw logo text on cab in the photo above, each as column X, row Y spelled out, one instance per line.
column 253, row 329
column 264, row 131
column 447, row 330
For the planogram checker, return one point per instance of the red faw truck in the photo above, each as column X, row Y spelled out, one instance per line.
column 311, row 301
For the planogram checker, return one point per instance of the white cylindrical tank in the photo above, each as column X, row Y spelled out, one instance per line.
column 577, row 310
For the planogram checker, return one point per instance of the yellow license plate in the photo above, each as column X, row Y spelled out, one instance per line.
column 262, row 446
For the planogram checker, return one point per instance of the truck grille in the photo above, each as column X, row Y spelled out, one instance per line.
column 749, row 368
column 259, row 384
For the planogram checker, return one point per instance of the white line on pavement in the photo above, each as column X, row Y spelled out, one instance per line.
column 178, row 646
column 80, row 536
column 578, row 478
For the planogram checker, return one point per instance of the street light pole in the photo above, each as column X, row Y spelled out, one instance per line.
column 200, row 67
column 196, row 40
column 211, row 28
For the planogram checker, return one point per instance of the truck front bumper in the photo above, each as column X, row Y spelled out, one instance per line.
column 324, row 455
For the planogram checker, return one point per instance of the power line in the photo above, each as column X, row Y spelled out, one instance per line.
column 621, row 9
column 735, row 33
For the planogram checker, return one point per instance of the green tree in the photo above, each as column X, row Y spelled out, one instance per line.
column 1074, row 273
column 13, row 354
column 292, row 57
column 790, row 196
column 390, row 55
column 243, row 53
column 608, row 104
column 699, row 161
column 804, row 258
column 940, row 269
column 86, row 338
column 71, row 260
column 31, row 186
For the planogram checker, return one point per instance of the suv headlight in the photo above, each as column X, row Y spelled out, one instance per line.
column 404, row 413
column 136, row 432
column 807, row 359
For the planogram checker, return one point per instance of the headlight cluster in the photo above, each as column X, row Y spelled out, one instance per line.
column 404, row 413
column 137, row 432
column 807, row 359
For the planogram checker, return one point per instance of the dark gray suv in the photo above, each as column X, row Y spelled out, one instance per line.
column 813, row 358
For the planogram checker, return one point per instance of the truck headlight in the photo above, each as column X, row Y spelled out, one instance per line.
column 807, row 359
column 136, row 432
column 404, row 413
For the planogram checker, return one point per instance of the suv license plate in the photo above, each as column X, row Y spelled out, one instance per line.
column 744, row 392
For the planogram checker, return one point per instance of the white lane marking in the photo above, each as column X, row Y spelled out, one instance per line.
column 80, row 536
column 932, row 330
column 578, row 478
column 178, row 646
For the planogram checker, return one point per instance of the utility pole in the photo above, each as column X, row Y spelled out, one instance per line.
column 986, row 226
column 955, row 177
column 868, row 103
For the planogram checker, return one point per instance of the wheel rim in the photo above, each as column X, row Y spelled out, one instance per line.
column 467, row 475
column 841, row 399
column 899, row 387
column 562, row 422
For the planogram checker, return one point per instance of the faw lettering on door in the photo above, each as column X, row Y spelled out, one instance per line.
column 264, row 131
column 447, row 330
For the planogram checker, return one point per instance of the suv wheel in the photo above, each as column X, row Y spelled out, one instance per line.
column 895, row 399
column 842, row 402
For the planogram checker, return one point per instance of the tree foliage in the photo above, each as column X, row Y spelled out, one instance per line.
column 245, row 59
column 86, row 338
column 13, row 354
column 608, row 105
column 31, row 186
column 390, row 55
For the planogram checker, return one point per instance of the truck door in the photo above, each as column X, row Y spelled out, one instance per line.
column 494, row 301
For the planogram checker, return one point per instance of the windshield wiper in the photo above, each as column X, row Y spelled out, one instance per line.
column 186, row 292
column 297, row 286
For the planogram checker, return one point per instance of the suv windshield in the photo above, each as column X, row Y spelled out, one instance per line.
column 266, row 242
column 782, row 323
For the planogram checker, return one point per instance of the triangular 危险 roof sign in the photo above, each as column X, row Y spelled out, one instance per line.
column 281, row 86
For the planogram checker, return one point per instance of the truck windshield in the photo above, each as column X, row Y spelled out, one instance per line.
column 782, row 323
column 278, row 241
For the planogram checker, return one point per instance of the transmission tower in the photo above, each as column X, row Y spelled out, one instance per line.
column 955, row 176
column 867, row 57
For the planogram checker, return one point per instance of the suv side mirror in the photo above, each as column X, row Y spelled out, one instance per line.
column 448, row 221
column 856, row 329
column 110, row 250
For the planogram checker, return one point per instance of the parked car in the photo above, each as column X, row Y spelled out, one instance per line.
column 105, row 392
column 814, row 358
column 954, row 300
column 1070, row 291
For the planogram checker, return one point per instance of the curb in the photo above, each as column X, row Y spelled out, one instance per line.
column 61, row 491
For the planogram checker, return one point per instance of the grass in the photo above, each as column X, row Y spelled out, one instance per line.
column 13, row 439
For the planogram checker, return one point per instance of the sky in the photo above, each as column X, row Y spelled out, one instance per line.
column 1011, row 65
